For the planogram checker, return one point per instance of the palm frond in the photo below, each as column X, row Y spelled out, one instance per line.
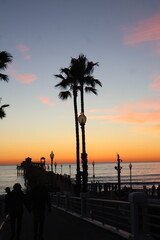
column 2, row 113
column 64, row 95
column 4, row 77
column 91, row 89
column 5, row 58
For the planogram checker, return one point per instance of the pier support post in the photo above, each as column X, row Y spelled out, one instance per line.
column 138, row 201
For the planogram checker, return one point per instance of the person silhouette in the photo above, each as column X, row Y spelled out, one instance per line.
column 40, row 199
column 7, row 200
column 15, row 202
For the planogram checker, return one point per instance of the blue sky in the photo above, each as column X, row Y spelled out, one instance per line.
column 123, row 36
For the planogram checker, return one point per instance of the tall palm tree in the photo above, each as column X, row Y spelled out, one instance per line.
column 5, row 58
column 83, row 74
column 69, row 84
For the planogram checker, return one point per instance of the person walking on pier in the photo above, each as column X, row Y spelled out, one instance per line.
column 15, row 201
column 40, row 199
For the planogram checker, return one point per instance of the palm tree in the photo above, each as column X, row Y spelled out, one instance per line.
column 83, row 75
column 5, row 58
column 69, row 84
column 78, row 77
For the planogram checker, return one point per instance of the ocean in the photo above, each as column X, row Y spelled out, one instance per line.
column 143, row 173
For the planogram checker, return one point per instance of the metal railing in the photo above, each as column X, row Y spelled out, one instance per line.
column 152, row 220
column 105, row 212
column 113, row 213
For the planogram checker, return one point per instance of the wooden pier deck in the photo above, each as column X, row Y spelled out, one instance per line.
column 60, row 225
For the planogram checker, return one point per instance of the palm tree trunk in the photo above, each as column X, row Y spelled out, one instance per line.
column 78, row 175
column 82, row 99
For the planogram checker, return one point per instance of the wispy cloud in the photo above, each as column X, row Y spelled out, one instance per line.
column 147, row 30
column 46, row 101
column 156, row 83
column 140, row 112
column 24, row 78
column 24, row 49
column 147, row 129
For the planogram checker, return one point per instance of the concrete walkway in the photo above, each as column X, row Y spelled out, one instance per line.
column 60, row 225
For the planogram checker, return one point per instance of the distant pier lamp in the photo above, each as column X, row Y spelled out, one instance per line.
column 52, row 156
column 61, row 168
column 70, row 170
column 82, row 121
column 118, row 168
column 55, row 165
column 130, row 168
column 93, row 171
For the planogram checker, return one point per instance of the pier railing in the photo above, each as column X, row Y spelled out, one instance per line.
column 136, row 219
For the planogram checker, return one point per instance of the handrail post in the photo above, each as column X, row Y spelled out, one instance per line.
column 83, row 197
column 138, row 200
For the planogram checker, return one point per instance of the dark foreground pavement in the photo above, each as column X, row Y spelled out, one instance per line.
column 60, row 225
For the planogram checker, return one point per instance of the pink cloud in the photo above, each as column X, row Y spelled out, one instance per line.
column 23, row 48
column 156, row 83
column 146, row 30
column 142, row 112
column 46, row 101
column 27, row 57
column 24, row 78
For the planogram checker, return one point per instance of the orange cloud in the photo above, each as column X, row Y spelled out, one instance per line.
column 46, row 101
column 146, row 30
column 156, row 83
column 147, row 129
column 141, row 112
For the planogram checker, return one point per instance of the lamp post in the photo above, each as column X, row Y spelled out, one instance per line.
column 52, row 156
column 70, row 170
column 93, row 171
column 55, row 165
column 82, row 121
column 61, row 168
column 118, row 168
column 130, row 168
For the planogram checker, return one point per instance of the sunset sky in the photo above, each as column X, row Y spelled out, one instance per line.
column 42, row 36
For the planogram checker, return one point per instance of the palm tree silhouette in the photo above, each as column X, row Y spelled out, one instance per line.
column 5, row 58
column 78, row 77
column 70, row 85
column 87, row 83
